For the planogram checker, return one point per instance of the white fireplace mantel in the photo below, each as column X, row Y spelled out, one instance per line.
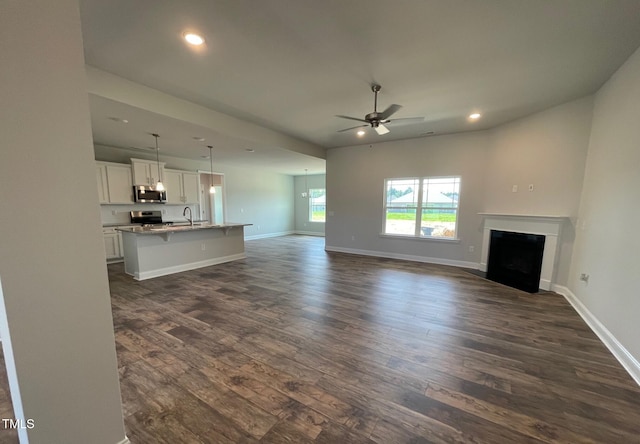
column 549, row 226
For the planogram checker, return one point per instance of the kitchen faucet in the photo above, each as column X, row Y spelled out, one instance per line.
column 190, row 218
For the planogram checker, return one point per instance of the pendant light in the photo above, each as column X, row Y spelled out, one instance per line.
column 212, row 189
column 159, row 185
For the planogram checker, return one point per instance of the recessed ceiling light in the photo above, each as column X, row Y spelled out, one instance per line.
column 475, row 116
column 193, row 39
column 250, row 150
column 360, row 133
column 199, row 139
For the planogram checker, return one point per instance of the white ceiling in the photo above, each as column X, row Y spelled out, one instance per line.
column 292, row 65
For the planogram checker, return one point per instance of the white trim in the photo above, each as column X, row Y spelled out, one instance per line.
column 12, row 373
column 630, row 364
column 141, row 276
column 405, row 257
column 263, row 236
column 451, row 240
column 549, row 218
column 124, row 441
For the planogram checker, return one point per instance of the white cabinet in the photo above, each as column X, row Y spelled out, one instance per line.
column 191, row 187
column 145, row 172
column 173, row 185
column 120, row 184
column 182, row 187
column 112, row 244
column 114, row 183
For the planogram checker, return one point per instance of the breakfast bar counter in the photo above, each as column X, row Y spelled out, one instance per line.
column 160, row 250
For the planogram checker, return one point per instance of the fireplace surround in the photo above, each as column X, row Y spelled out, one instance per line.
column 548, row 226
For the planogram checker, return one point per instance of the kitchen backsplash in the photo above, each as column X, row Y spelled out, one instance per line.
column 115, row 214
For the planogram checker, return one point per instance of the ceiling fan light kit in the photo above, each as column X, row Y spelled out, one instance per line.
column 376, row 120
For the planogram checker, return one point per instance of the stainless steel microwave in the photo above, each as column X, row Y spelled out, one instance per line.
column 147, row 194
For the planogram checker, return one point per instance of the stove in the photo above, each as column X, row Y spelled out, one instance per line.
column 147, row 218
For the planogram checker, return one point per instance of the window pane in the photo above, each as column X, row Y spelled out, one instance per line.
column 440, row 206
column 402, row 192
column 438, row 222
column 317, row 204
column 441, row 192
column 400, row 220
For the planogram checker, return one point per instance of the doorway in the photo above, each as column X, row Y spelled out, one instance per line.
column 212, row 206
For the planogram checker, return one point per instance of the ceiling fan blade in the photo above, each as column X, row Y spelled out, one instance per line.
column 391, row 109
column 381, row 129
column 353, row 127
column 406, row 120
column 353, row 118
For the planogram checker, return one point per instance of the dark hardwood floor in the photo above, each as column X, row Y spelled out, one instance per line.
column 296, row 345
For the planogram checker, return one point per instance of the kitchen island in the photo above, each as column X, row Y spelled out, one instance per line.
column 157, row 251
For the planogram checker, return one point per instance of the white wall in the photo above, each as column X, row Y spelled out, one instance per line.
column 252, row 195
column 355, row 193
column 547, row 149
column 607, row 242
column 260, row 198
column 62, row 367
column 302, row 223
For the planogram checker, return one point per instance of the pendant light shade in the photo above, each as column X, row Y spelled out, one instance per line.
column 159, row 185
column 212, row 189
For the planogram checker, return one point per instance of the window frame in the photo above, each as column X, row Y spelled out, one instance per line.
column 310, row 206
column 419, row 207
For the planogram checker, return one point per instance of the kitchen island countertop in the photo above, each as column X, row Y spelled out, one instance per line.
column 163, row 229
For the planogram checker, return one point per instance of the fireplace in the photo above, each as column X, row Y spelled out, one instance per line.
column 515, row 259
column 549, row 227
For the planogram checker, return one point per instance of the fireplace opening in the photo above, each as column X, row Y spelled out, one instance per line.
column 515, row 259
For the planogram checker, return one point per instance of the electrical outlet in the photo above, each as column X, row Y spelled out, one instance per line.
column 472, row 248
column 353, row 238
column 530, row 187
column 114, row 212
column 514, row 189
column 584, row 277
column 203, row 247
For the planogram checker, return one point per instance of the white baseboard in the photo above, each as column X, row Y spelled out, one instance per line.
column 630, row 364
column 405, row 257
column 141, row 276
column 264, row 236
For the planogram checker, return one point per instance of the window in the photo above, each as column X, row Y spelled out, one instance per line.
column 422, row 206
column 317, row 204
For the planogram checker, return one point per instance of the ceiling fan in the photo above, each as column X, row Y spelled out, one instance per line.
column 377, row 119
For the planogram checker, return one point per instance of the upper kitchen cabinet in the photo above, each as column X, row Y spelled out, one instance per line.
column 145, row 172
column 182, row 187
column 114, row 183
column 120, row 184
